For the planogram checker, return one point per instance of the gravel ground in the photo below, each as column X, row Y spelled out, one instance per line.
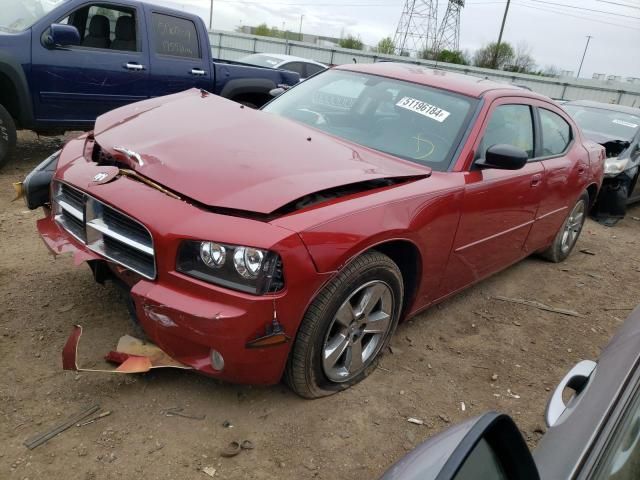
column 471, row 349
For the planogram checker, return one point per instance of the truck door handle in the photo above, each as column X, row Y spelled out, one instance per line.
column 133, row 66
column 576, row 379
column 535, row 180
column 198, row 71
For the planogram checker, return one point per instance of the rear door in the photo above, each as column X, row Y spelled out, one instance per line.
column 179, row 56
column 566, row 165
column 499, row 206
column 74, row 85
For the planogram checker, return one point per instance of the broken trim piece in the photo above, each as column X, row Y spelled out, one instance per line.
column 138, row 357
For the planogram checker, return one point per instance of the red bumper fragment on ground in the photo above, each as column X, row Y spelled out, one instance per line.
column 133, row 355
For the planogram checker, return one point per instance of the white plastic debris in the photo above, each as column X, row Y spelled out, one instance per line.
column 415, row 421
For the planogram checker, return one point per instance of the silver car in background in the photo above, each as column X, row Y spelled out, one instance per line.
column 302, row 66
column 595, row 435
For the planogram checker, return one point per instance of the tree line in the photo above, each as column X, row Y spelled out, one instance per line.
column 501, row 57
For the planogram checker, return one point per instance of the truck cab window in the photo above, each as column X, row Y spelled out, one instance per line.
column 105, row 27
column 175, row 37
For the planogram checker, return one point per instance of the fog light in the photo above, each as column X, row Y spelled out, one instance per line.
column 217, row 362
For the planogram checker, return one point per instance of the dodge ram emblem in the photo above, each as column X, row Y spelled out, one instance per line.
column 98, row 177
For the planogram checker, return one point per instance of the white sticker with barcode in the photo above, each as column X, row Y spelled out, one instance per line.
column 423, row 108
column 626, row 124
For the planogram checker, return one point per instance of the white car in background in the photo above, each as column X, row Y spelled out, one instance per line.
column 302, row 66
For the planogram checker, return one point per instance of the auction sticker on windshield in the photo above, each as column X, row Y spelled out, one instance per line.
column 626, row 124
column 423, row 108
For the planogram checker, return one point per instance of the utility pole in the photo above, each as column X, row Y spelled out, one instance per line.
column 211, row 16
column 300, row 30
column 504, row 20
column 589, row 37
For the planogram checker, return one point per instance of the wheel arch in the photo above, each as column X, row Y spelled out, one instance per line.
column 592, row 190
column 14, row 92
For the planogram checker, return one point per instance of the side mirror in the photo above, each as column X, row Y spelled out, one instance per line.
column 275, row 92
column 489, row 447
column 61, row 35
column 504, row 157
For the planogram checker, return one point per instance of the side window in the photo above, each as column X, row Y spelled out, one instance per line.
column 105, row 27
column 510, row 125
column 297, row 67
column 312, row 69
column 175, row 37
column 622, row 456
column 556, row 133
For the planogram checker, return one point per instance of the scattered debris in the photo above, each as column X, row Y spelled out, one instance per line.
column 637, row 219
column 463, row 407
column 66, row 308
column 211, row 471
column 45, row 437
column 415, row 421
column 444, row 418
column 596, row 276
column 235, row 447
column 517, row 323
column 587, row 252
column 511, row 394
column 480, row 366
column 94, row 419
column 227, row 424
column 538, row 305
column 610, row 309
column 494, row 377
column 179, row 412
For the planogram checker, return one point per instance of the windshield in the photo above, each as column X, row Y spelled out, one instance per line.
column 411, row 121
column 261, row 60
column 18, row 15
column 610, row 123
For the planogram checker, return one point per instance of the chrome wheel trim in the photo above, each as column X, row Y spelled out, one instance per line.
column 572, row 227
column 358, row 330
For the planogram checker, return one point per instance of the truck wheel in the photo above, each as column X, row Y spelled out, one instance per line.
column 568, row 234
column 346, row 328
column 7, row 136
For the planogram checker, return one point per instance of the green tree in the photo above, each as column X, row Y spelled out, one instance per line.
column 386, row 46
column 447, row 56
column 351, row 42
column 492, row 56
column 262, row 30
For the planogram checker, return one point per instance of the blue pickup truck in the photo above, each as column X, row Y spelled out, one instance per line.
column 64, row 62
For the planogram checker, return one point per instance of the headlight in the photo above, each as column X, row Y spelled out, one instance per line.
column 247, row 269
column 614, row 166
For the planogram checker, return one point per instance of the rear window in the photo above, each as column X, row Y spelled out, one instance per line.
column 610, row 123
column 176, row 37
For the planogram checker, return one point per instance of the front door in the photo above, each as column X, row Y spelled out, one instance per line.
column 73, row 85
column 499, row 206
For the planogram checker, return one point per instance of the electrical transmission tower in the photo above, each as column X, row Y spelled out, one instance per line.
column 417, row 28
column 449, row 32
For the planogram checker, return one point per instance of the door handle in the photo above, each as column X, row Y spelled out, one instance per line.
column 535, row 180
column 576, row 379
column 133, row 66
column 198, row 72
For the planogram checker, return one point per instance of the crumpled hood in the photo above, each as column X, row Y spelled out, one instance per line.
column 223, row 155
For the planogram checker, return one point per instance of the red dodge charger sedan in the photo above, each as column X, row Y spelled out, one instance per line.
column 289, row 242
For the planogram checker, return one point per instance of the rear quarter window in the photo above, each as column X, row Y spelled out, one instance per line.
column 174, row 36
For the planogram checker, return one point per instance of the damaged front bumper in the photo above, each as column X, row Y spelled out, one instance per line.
column 611, row 204
column 214, row 333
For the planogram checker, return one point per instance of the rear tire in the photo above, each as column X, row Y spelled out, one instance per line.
column 346, row 328
column 568, row 234
column 7, row 136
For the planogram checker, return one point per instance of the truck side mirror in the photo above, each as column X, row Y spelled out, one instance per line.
column 61, row 35
column 489, row 447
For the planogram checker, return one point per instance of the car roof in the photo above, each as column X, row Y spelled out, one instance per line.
column 456, row 82
column 289, row 58
column 604, row 106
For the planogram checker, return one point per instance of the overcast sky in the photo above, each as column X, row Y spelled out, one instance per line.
column 556, row 34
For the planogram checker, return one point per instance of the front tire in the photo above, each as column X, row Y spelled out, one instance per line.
column 7, row 136
column 568, row 234
column 346, row 328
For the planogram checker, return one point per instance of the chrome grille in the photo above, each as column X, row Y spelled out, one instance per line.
column 105, row 230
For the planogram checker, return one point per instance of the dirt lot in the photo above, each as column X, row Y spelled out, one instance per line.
column 440, row 359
